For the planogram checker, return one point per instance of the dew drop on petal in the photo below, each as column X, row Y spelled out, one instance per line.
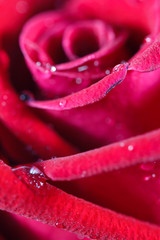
column 96, row 63
column 31, row 176
column 122, row 144
column 82, row 68
column 147, row 39
column 26, row 96
column 78, row 80
column 62, row 103
column 83, row 174
column 107, row 72
column 5, row 97
column 38, row 64
column 53, row 68
column 147, row 178
column 147, row 166
column 117, row 67
column 3, row 104
column 130, row 148
column 59, row 225
column 153, row 175
column 123, row 62
column 34, row 170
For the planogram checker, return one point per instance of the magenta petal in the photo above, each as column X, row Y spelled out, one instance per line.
column 130, row 13
column 148, row 59
column 119, row 155
column 86, row 96
column 24, row 124
column 55, row 207
column 54, row 53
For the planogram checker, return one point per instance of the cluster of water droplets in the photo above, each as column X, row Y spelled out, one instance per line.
column 26, row 96
column 150, row 170
column 31, row 176
column 129, row 147
column 82, row 68
column 4, row 100
column 46, row 67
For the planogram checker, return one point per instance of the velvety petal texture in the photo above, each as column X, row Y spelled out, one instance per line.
column 79, row 120
column 66, row 54
column 132, row 13
column 57, row 208
column 17, row 117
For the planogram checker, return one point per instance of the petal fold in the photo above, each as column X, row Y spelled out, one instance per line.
column 141, row 149
column 55, row 207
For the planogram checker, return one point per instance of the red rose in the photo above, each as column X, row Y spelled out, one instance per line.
column 77, row 154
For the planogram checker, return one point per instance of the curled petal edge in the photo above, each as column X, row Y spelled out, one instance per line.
column 135, row 150
column 86, row 96
column 53, row 206
column 148, row 58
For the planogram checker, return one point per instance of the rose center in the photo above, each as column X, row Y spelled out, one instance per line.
column 84, row 38
column 84, row 42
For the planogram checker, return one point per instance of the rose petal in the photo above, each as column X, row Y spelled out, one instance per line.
column 13, row 148
column 18, row 11
column 26, row 126
column 119, row 155
column 148, row 59
column 47, row 52
column 52, row 206
column 28, row 229
column 86, row 96
column 130, row 13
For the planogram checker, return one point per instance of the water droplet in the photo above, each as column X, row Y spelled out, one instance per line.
column 96, row 63
column 22, row 7
column 3, row 104
column 130, row 148
column 147, row 166
column 153, row 175
column 147, row 178
column 82, row 68
column 5, row 97
column 59, row 225
column 78, row 80
column 62, row 103
column 107, row 72
column 83, row 174
column 117, row 68
column 34, row 170
column 122, row 144
column 53, row 68
column 147, row 39
column 31, row 176
column 25, row 96
column 38, row 64
column 123, row 62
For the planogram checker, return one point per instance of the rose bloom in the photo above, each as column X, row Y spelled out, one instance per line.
column 79, row 119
